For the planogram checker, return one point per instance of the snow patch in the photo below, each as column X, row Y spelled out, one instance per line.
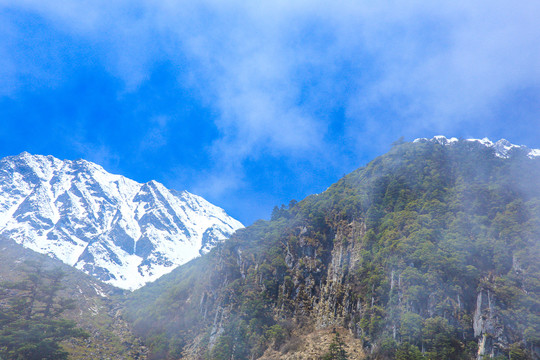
column 501, row 148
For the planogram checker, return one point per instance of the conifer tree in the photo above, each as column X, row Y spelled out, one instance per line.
column 336, row 350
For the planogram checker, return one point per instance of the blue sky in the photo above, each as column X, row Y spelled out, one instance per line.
column 251, row 104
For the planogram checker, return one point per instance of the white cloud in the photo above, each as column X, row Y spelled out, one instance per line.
column 486, row 52
column 445, row 62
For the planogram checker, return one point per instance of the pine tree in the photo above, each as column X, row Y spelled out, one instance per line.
column 336, row 350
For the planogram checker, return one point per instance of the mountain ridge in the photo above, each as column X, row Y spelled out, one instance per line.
column 123, row 232
column 502, row 148
column 428, row 251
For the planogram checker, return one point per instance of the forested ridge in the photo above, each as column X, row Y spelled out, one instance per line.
column 430, row 251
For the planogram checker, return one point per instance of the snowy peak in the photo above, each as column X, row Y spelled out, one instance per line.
column 502, row 148
column 120, row 231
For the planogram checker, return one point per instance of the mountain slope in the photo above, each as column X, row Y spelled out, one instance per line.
column 95, row 304
column 122, row 232
column 430, row 251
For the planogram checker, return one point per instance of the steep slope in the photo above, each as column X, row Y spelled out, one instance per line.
column 430, row 251
column 95, row 304
column 122, row 232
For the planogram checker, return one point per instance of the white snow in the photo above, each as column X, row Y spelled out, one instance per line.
column 114, row 228
column 501, row 148
column 534, row 153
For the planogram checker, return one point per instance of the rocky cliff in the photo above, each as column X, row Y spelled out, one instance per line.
column 429, row 251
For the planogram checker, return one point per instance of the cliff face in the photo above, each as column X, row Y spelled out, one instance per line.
column 430, row 251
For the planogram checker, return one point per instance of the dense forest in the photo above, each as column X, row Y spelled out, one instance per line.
column 428, row 252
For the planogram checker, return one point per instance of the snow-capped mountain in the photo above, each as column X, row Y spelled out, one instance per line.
column 501, row 148
column 120, row 231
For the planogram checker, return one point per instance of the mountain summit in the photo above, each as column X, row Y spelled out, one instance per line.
column 120, row 231
column 502, row 148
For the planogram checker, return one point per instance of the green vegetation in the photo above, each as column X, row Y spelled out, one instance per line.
column 406, row 252
column 336, row 350
column 30, row 327
column 76, row 297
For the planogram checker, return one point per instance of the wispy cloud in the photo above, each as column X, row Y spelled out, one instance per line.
column 484, row 53
column 275, row 70
column 157, row 134
column 100, row 154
